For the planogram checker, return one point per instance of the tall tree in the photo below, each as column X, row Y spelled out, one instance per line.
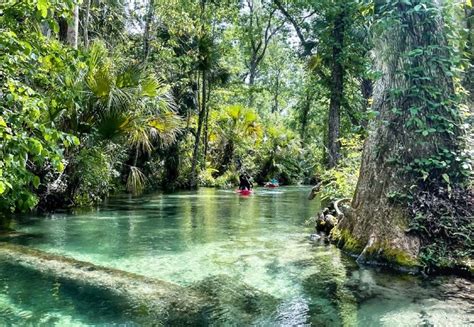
column 414, row 143
column 336, row 87
column 204, row 64
column 329, row 37
column 260, row 26
column 146, row 32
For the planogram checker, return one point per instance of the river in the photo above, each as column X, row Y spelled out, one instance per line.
column 260, row 241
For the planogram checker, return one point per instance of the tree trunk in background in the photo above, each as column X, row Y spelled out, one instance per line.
column 202, row 113
column 146, row 32
column 304, row 115
column 85, row 25
column 252, row 76
column 337, row 88
column 171, row 165
column 375, row 227
column 73, row 29
column 277, row 93
column 469, row 76
column 206, row 126
column 366, row 88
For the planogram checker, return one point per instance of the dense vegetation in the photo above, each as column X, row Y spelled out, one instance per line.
column 102, row 96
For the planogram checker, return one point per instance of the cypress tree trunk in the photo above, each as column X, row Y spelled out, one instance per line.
column 416, row 123
column 366, row 88
column 337, row 88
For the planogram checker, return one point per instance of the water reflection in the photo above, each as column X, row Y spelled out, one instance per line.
column 259, row 248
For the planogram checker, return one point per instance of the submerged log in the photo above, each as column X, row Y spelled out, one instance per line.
column 147, row 299
column 150, row 301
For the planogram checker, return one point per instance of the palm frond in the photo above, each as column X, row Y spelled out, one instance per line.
column 139, row 138
column 136, row 181
column 166, row 127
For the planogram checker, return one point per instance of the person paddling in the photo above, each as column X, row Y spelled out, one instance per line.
column 244, row 182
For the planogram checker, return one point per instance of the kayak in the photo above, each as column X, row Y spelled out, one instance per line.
column 244, row 192
column 271, row 185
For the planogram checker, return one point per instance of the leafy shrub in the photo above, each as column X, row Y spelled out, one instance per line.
column 93, row 176
column 341, row 181
column 29, row 140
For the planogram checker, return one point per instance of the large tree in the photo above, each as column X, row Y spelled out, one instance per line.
column 330, row 36
column 414, row 149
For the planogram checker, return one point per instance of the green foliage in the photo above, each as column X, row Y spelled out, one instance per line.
column 93, row 175
column 29, row 140
column 280, row 154
column 340, row 182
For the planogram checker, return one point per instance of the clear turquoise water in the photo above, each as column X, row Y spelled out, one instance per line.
column 261, row 241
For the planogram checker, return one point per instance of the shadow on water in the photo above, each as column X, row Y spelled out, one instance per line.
column 33, row 299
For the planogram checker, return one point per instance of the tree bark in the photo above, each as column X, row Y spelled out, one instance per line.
column 202, row 112
column 85, row 25
column 206, row 125
column 305, row 114
column 73, row 29
column 469, row 75
column 337, row 88
column 375, row 227
column 366, row 87
column 146, row 32
column 276, row 93
column 252, row 75
column 227, row 158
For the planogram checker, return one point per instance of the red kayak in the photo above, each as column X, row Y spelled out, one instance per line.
column 244, row 192
column 271, row 185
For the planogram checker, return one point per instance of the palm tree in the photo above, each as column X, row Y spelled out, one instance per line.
column 237, row 125
column 127, row 104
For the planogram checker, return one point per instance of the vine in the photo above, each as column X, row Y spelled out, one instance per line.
column 431, row 107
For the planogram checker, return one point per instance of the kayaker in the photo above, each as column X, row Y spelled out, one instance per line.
column 244, row 182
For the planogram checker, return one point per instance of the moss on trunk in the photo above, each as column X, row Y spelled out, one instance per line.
column 416, row 128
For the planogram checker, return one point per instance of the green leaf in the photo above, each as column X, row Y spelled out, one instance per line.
column 54, row 26
column 75, row 140
column 43, row 6
column 446, row 178
column 3, row 187
column 425, row 175
column 60, row 167
column 36, row 181
column 35, row 146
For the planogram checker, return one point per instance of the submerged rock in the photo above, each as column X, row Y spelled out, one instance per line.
column 314, row 237
column 233, row 302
